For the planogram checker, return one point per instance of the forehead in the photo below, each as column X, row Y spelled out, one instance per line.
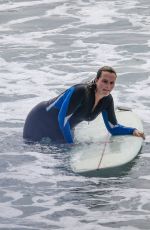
column 108, row 75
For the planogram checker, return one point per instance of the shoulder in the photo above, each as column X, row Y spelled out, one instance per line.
column 108, row 101
column 80, row 88
column 76, row 92
column 109, row 98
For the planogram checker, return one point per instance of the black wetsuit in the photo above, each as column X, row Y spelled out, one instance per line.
column 57, row 118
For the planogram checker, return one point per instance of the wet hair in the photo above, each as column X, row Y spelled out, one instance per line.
column 109, row 69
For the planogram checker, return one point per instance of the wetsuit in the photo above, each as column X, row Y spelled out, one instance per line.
column 57, row 118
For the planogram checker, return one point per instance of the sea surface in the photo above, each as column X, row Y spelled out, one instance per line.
column 45, row 47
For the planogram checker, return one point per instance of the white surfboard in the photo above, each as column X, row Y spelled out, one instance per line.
column 97, row 149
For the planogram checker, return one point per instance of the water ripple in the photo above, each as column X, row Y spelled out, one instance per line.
column 46, row 46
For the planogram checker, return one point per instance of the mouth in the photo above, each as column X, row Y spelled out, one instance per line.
column 106, row 90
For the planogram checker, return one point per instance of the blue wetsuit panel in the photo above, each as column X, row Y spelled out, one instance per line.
column 116, row 129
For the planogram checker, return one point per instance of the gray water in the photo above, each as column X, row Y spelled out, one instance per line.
column 45, row 47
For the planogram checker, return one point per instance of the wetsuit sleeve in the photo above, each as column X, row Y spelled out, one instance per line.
column 111, row 123
column 71, row 101
column 64, row 126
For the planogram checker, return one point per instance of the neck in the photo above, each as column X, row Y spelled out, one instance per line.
column 98, row 95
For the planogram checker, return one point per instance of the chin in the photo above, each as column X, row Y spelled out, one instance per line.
column 106, row 94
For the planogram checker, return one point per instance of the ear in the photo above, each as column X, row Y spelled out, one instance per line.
column 96, row 79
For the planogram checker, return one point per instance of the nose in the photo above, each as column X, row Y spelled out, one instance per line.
column 110, row 86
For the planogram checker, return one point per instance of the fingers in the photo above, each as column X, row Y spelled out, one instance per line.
column 138, row 133
column 141, row 134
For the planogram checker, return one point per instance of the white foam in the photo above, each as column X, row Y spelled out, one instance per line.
column 137, row 98
column 60, row 10
column 79, row 43
column 147, row 139
column 145, row 177
column 126, row 4
column 145, row 155
column 33, row 39
column 139, row 20
column 9, row 5
column 32, row 172
column 98, row 13
column 97, row 54
column 9, row 212
column 14, row 5
column 141, row 88
column 105, row 53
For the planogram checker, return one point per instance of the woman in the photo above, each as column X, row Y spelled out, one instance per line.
column 57, row 118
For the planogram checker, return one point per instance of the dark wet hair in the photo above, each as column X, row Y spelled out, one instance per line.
column 109, row 69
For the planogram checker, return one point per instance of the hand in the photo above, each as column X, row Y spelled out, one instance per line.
column 138, row 133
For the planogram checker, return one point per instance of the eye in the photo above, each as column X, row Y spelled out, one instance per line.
column 105, row 81
column 112, row 82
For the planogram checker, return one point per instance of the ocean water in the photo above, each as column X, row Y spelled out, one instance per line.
column 45, row 47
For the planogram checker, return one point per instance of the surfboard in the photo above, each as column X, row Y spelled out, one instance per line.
column 96, row 149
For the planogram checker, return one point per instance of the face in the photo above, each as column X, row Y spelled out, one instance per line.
column 105, row 83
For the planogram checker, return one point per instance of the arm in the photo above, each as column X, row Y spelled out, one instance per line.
column 111, row 122
column 71, row 101
column 64, row 126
